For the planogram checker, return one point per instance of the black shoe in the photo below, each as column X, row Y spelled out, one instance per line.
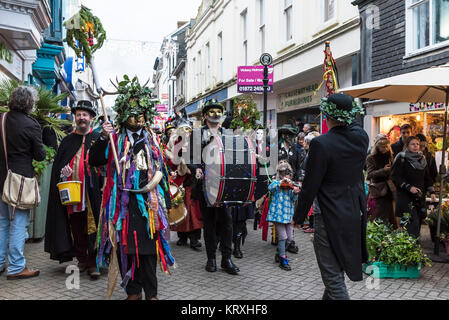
column 283, row 264
column 195, row 245
column 292, row 247
column 237, row 252
column 277, row 258
column 182, row 242
column 229, row 266
column 3, row 270
column 211, row 265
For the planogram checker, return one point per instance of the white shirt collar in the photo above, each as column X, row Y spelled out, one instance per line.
column 130, row 134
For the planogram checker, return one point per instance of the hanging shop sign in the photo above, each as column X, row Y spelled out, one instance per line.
column 299, row 98
column 250, row 79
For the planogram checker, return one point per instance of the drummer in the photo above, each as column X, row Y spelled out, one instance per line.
column 183, row 176
column 217, row 220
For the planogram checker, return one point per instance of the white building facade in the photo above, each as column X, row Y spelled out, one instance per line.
column 232, row 33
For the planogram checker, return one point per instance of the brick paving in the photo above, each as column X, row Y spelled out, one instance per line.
column 260, row 278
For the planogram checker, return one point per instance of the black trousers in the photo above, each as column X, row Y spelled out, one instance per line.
column 217, row 224
column 192, row 235
column 144, row 276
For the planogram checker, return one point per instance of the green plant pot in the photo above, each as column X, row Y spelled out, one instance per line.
column 379, row 270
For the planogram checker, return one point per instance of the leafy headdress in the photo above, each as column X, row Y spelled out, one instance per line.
column 134, row 100
column 340, row 107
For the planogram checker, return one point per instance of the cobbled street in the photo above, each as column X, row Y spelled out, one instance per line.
column 260, row 277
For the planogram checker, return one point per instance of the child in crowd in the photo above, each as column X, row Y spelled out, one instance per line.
column 282, row 208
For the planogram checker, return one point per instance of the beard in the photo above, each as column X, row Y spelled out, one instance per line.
column 82, row 126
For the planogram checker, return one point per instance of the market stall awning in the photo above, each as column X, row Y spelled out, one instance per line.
column 428, row 85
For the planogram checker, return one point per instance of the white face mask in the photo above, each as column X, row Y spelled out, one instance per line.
column 259, row 135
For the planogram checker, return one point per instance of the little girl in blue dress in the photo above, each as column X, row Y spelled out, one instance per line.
column 282, row 208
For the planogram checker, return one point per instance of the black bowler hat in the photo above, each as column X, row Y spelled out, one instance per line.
column 340, row 107
column 85, row 105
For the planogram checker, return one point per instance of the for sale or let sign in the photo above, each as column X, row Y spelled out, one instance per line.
column 250, row 79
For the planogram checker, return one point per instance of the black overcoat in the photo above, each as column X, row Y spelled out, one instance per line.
column 334, row 173
column 58, row 237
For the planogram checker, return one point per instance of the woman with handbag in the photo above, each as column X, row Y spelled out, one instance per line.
column 23, row 143
column 411, row 176
column 381, row 188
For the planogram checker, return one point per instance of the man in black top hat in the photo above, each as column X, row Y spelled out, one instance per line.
column 216, row 220
column 80, row 220
column 334, row 175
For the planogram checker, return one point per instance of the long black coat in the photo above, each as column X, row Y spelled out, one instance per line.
column 24, row 143
column 334, row 173
column 58, row 237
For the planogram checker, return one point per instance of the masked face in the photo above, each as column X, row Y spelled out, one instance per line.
column 214, row 115
column 259, row 135
column 135, row 124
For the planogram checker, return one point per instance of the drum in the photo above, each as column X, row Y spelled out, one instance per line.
column 230, row 170
column 178, row 212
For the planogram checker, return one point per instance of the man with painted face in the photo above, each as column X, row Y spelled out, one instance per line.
column 216, row 220
column 71, row 230
column 132, row 215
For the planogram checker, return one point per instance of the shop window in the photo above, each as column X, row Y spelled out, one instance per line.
column 430, row 123
column 427, row 24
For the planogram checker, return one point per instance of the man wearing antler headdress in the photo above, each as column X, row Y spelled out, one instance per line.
column 132, row 220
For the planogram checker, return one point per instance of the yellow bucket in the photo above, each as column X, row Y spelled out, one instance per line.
column 70, row 192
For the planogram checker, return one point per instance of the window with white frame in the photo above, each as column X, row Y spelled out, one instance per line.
column 220, row 56
column 244, row 16
column 262, row 25
column 328, row 10
column 195, row 72
column 427, row 24
column 208, row 70
column 288, row 17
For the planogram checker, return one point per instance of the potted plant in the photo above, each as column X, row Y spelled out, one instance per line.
column 432, row 221
column 394, row 253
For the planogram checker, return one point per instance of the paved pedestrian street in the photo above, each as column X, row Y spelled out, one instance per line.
column 260, row 277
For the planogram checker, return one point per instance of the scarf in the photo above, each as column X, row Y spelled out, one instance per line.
column 416, row 159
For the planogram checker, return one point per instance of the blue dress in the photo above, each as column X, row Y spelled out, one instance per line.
column 282, row 205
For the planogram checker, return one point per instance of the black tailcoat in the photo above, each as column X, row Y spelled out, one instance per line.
column 334, row 173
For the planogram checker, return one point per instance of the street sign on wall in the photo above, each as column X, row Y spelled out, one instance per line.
column 250, row 79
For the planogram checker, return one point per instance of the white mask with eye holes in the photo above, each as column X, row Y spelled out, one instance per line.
column 259, row 134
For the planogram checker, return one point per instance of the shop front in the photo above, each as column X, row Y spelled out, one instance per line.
column 424, row 118
column 301, row 103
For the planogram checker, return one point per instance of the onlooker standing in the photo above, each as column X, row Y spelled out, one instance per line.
column 300, row 142
column 406, row 131
column 429, row 157
column 299, row 124
column 412, row 179
column 287, row 149
column 315, row 208
column 24, row 144
column 381, row 188
column 307, row 128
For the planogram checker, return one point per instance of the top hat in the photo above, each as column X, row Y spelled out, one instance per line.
column 85, row 105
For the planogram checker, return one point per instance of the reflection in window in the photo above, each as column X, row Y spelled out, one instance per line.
column 329, row 10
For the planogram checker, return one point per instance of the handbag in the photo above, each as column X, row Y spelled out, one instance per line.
column 378, row 189
column 18, row 191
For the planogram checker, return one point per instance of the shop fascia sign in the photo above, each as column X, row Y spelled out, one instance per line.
column 299, row 98
column 13, row 65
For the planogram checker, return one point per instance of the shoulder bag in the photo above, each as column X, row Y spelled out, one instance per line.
column 18, row 191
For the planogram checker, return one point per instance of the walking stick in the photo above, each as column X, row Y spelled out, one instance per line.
column 105, row 115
